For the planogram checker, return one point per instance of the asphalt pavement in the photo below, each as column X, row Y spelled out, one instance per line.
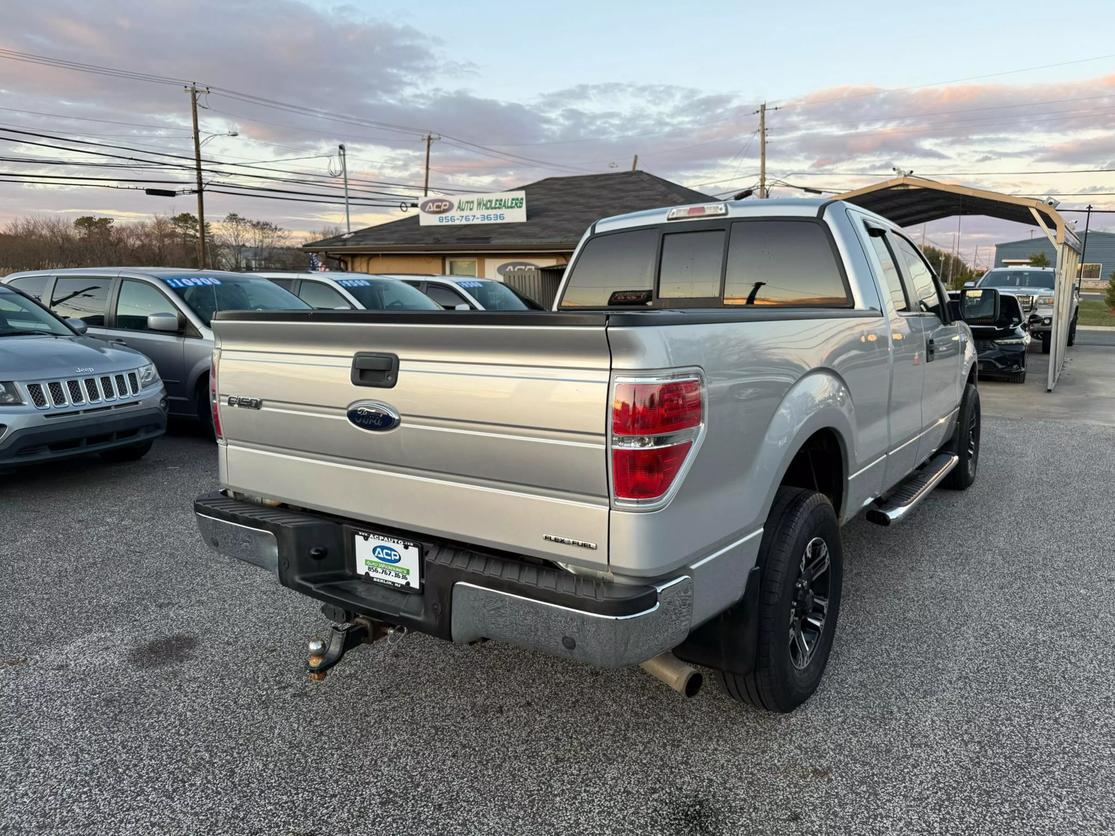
column 148, row 686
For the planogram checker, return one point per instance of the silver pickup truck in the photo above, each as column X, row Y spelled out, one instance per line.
column 655, row 471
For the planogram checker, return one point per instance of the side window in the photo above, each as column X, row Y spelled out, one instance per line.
column 461, row 266
column 285, row 284
column 786, row 263
column 137, row 301
column 31, row 285
column 81, row 297
column 321, row 295
column 447, row 298
column 892, row 279
column 691, row 265
column 923, row 286
column 615, row 269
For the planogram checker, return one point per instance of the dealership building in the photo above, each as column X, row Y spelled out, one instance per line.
column 528, row 249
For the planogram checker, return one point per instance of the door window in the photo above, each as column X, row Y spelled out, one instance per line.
column 137, row 301
column 81, row 297
column 922, row 282
column 321, row 295
column 31, row 285
column 892, row 279
column 444, row 296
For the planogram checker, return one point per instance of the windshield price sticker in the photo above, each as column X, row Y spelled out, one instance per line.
column 192, row 281
column 388, row 560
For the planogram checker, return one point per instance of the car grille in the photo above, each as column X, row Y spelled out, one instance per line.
column 1026, row 302
column 84, row 392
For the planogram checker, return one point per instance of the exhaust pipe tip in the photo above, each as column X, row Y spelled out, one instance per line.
column 667, row 668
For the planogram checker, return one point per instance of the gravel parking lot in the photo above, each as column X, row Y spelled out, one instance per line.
column 149, row 686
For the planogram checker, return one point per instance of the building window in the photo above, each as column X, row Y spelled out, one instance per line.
column 1090, row 270
column 460, row 266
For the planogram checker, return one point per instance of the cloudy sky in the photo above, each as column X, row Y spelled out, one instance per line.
column 1012, row 96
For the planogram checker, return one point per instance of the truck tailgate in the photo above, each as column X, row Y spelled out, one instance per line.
column 501, row 440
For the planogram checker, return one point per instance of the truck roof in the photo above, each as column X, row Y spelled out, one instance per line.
column 782, row 207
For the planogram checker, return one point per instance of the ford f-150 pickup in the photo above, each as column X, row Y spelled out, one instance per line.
column 655, row 472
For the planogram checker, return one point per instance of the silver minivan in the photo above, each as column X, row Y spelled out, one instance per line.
column 163, row 312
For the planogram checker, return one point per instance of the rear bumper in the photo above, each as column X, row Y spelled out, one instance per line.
column 467, row 595
column 50, row 439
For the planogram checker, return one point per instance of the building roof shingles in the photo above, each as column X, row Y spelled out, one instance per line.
column 559, row 210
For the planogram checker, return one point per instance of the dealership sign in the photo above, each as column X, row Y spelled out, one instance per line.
column 496, row 208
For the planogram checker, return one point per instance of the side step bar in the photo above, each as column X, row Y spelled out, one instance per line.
column 898, row 504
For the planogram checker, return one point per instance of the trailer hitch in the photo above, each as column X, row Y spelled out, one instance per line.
column 342, row 639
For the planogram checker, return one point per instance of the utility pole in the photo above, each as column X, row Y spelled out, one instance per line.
column 344, row 174
column 193, row 89
column 426, row 185
column 762, row 111
column 635, row 164
column 1084, row 247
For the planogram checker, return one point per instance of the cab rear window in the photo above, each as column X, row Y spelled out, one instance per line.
column 770, row 262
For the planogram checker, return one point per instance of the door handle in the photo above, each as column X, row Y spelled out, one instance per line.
column 930, row 349
column 119, row 341
column 378, row 370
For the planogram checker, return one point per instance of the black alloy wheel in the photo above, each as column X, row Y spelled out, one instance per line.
column 809, row 607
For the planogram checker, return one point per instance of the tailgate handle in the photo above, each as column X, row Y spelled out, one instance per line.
column 378, row 370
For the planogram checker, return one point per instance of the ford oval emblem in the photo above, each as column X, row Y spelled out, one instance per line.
column 386, row 554
column 373, row 416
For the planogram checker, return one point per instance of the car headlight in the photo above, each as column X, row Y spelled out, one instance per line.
column 148, row 376
column 9, row 395
column 1045, row 301
column 1014, row 341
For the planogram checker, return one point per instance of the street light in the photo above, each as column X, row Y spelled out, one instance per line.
column 208, row 137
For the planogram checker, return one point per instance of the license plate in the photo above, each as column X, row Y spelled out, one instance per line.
column 388, row 560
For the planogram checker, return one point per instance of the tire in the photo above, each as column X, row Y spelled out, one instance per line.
column 801, row 531
column 1072, row 331
column 1045, row 343
column 965, row 442
column 130, row 453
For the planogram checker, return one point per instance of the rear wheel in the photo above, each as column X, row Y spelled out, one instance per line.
column 1072, row 331
column 965, row 441
column 798, row 603
column 129, row 453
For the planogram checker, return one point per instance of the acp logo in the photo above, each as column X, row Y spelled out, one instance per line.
column 436, row 206
column 515, row 267
column 373, row 416
column 386, row 554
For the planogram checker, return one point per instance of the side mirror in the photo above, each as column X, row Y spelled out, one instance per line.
column 463, row 306
column 78, row 325
column 979, row 306
column 167, row 323
column 969, row 284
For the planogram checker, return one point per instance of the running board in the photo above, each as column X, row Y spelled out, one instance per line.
column 908, row 493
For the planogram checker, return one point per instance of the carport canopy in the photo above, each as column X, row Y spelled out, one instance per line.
column 909, row 200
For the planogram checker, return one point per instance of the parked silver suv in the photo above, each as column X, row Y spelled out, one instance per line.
column 163, row 312
column 64, row 394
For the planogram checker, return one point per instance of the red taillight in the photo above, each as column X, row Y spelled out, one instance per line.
column 214, row 401
column 654, row 408
column 655, row 424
